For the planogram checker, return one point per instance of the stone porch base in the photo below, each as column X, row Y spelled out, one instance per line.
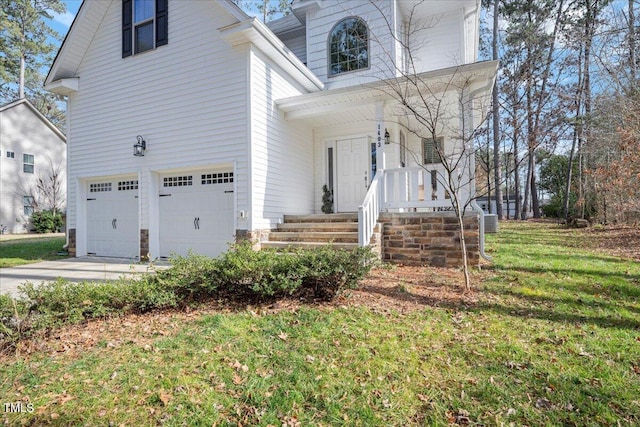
column 428, row 238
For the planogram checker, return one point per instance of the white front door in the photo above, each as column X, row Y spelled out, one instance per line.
column 353, row 167
column 196, row 213
column 112, row 218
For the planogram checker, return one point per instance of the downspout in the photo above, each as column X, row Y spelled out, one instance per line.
column 474, row 205
column 478, row 209
column 67, row 126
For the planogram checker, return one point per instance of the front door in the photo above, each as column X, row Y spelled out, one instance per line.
column 353, row 173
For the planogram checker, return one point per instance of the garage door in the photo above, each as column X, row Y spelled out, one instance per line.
column 112, row 218
column 196, row 213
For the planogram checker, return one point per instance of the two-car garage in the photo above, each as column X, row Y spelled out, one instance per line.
column 195, row 213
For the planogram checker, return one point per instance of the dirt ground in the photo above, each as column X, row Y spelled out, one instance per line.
column 399, row 289
column 623, row 242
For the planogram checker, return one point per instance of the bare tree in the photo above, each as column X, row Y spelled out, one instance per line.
column 47, row 190
column 453, row 104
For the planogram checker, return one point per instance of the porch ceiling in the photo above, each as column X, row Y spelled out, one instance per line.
column 356, row 103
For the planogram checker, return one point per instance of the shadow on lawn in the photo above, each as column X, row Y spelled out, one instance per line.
column 533, row 308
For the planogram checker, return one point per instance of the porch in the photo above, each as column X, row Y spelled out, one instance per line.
column 406, row 218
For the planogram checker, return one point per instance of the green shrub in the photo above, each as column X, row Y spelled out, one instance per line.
column 189, row 277
column 266, row 273
column 14, row 321
column 47, row 221
column 330, row 271
column 240, row 274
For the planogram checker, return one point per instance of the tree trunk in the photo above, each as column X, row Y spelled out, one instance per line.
column 496, row 119
column 21, row 78
column 577, row 130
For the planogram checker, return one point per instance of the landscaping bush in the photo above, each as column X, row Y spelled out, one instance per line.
column 14, row 321
column 330, row 271
column 240, row 274
column 244, row 272
column 47, row 221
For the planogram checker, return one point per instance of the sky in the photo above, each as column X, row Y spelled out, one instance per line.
column 62, row 22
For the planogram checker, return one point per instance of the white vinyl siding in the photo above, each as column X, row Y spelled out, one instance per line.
column 282, row 152
column 187, row 100
column 439, row 45
column 319, row 25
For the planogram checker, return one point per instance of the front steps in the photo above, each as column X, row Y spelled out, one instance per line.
column 313, row 231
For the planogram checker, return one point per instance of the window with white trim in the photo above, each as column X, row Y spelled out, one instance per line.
column 28, row 203
column 431, row 150
column 348, row 46
column 11, row 155
column 28, row 163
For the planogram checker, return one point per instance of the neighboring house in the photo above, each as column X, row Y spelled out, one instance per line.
column 238, row 124
column 32, row 148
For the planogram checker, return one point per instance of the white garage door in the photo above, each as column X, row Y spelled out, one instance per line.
column 112, row 218
column 196, row 213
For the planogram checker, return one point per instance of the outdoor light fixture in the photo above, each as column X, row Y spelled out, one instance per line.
column 139, row 147
column 387, row 139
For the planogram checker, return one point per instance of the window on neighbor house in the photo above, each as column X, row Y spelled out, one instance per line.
column 11, row 155
column 28, row 163
column 348, row 46
column 144, row 25
column 431, row 149
column 28, row 203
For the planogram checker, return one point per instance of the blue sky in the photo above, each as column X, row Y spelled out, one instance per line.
column 62, row 22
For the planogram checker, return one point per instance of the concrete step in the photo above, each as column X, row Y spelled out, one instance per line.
column 341, row 217
column 307, row 245
column 319, row 226
column 314, row 236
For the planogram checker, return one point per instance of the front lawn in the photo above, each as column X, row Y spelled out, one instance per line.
column 551, row 336
column 30, row 250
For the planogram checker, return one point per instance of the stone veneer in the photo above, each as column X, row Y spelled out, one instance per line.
column 256, row 237
column 428, row 238
column 144, row 244
column 72, row 242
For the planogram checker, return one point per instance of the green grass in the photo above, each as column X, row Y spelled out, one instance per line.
column 554, row 339
column 30, row 250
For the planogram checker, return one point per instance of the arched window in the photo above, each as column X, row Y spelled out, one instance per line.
column 348, row 46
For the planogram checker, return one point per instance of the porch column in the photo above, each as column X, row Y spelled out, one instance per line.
column 380, row 129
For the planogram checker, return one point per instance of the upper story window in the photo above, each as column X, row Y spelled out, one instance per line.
column 144, row 25
column 28, row 163
column 348, row 46
column 11, row 155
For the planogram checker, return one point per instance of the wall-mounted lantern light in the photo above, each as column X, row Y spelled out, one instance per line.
column 387, row 137
column 139, row 147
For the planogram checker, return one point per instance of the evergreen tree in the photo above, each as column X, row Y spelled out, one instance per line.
column 28, row 46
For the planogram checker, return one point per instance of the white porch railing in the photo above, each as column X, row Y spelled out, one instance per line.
column 400, row 190
column 369, row 210
column 415, row 187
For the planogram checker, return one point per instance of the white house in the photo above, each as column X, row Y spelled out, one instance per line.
column 238, row 124
column 31, row 148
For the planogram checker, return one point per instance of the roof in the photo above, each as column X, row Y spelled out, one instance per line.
column 287, row 27
column 82, row 30
column 37, row 113
column 62, row 77
column 339, row 101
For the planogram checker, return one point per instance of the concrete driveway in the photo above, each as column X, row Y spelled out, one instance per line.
column 72, row 269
